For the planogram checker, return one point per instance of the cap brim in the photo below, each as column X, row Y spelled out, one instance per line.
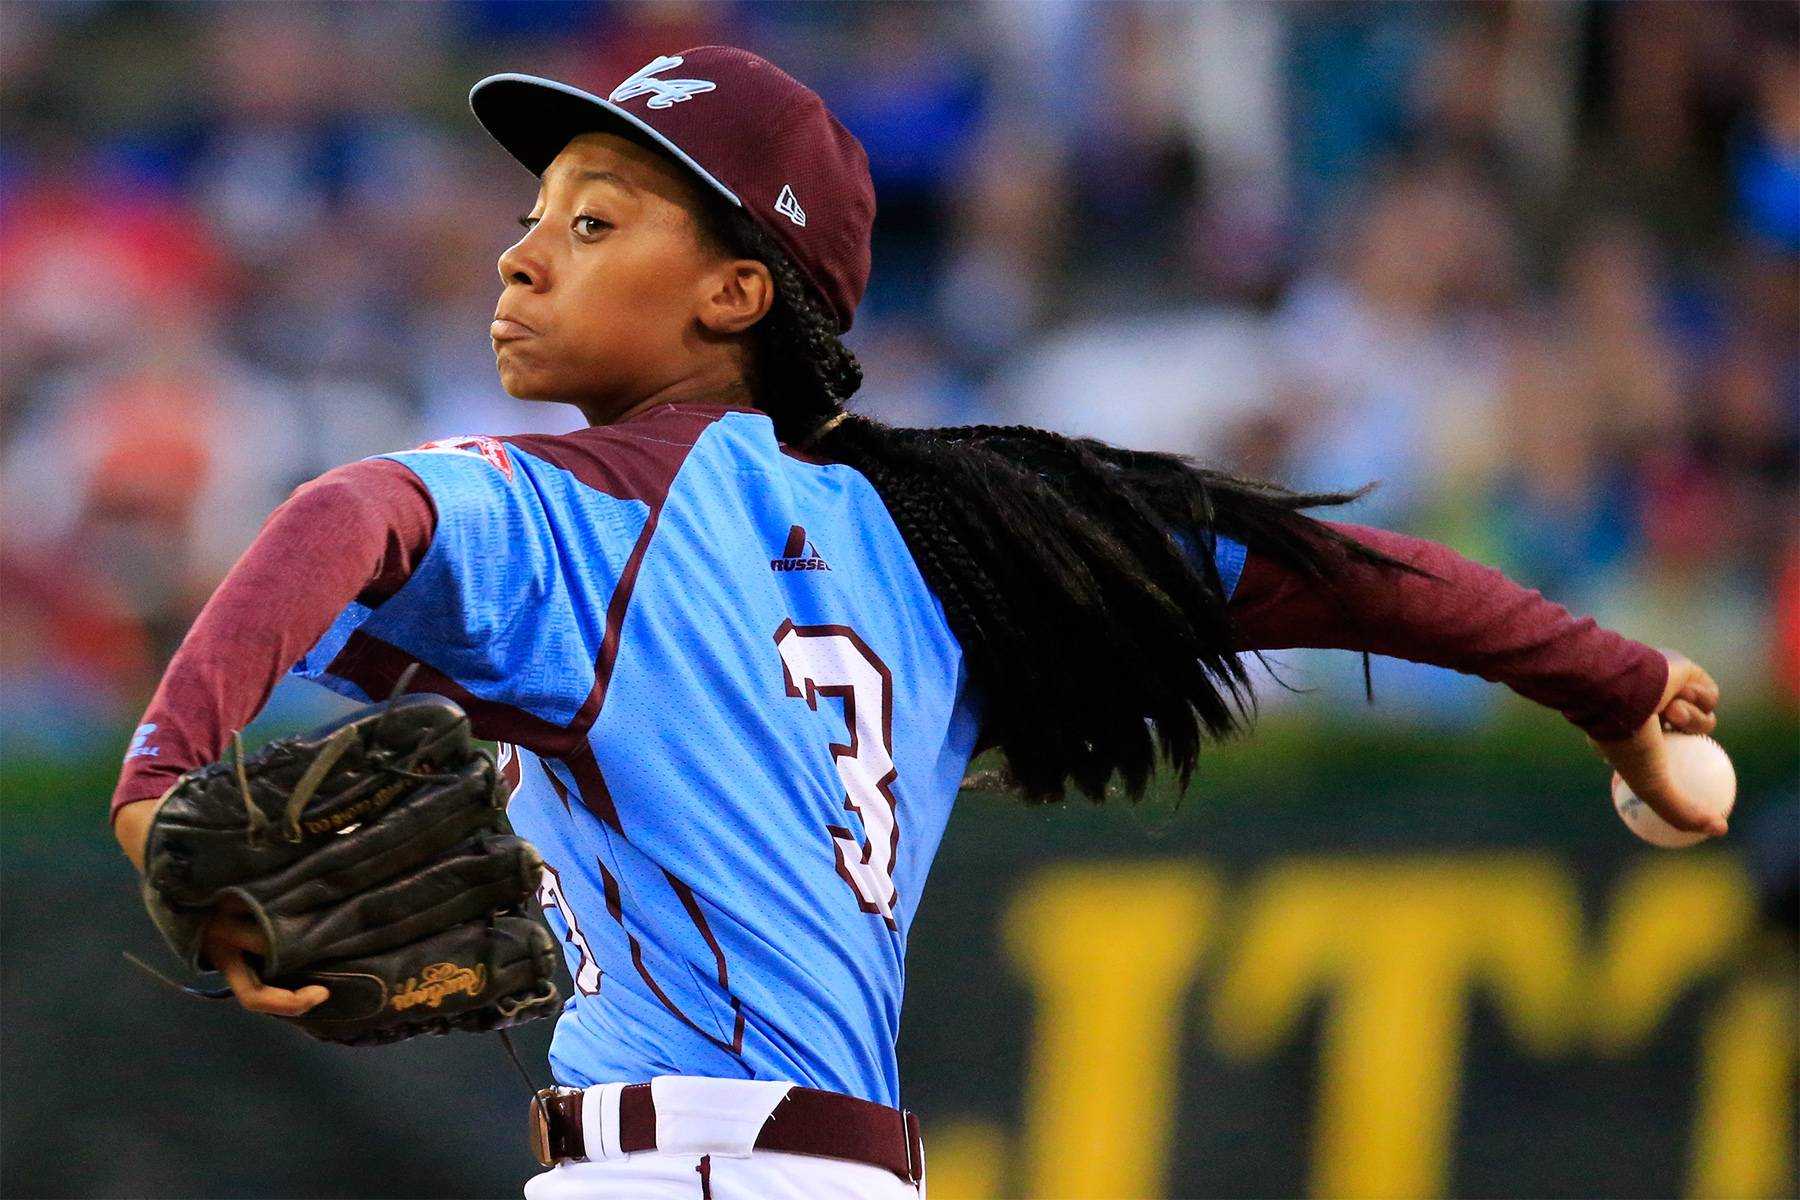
column 534, row 119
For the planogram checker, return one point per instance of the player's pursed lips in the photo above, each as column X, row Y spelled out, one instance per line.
column 507, row 328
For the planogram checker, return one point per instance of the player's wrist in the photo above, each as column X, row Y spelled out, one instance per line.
column 131, row 826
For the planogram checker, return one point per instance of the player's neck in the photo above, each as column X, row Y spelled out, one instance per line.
column 724, row 391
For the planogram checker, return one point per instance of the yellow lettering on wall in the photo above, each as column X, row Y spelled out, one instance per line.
column 1398, row 943
column 1672, row 920
column 1109, row 952
column 963, row 1160
column 1744, row 1122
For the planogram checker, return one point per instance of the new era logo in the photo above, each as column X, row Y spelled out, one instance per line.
column 799, row 554
column 787, row 206
column 662, row 92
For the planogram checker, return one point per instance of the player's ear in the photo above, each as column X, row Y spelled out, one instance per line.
column 736, row 294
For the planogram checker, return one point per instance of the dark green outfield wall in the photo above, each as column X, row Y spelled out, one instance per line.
column 1345, row 965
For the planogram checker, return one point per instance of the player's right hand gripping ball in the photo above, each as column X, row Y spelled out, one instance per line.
column 1701, row 769
column 376, row 856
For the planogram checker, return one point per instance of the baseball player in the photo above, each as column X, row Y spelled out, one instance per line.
column 740, row 644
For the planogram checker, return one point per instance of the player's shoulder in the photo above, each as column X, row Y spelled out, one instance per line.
column 472, row 468
column 640, row 457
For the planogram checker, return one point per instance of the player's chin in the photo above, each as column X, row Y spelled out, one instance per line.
column 522, row 375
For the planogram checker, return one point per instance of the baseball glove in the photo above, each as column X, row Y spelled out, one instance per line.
column 375, row 856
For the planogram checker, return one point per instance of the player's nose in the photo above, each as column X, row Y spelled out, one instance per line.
column 520, row 263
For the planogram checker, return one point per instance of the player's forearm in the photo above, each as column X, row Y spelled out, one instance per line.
column 353, row 534
column 1464, row 616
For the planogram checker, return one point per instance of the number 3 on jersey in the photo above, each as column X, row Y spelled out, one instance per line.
column 831, row 660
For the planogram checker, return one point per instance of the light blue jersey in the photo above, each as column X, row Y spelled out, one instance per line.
column 735, row 718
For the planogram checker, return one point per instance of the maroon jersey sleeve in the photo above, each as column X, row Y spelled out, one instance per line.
column 1461, row 615
column 354, row 533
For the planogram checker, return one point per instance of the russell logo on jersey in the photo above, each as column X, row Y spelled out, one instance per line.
column 140, row 740
column 799, row 554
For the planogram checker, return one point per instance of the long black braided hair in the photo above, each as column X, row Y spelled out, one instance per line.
column 1095, row 634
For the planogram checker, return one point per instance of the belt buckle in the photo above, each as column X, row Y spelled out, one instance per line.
column 540, row 1122
column 915, row 1148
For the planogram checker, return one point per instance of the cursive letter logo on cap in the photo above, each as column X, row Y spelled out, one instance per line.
column 662, row 92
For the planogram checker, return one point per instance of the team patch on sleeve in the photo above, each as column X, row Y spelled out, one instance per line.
column 479, row 445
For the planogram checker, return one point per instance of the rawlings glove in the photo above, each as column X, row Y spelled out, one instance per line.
column 374, row 855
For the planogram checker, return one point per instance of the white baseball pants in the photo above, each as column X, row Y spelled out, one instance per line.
column 765, row 1175
column 706, row 1131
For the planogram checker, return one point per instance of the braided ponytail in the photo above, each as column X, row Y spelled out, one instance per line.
column 1073, row 573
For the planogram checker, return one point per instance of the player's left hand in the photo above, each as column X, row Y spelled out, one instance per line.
column 231, row 931
column 359, row 881
column 1689, row 704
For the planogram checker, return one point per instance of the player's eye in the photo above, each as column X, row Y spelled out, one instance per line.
column 585, row 226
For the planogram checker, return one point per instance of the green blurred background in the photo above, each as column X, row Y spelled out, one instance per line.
column 1533, row 266
column 1348, row 963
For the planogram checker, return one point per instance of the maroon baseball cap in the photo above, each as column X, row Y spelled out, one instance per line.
column 754, row 134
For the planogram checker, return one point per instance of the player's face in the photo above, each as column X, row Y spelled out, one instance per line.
column 611, row 299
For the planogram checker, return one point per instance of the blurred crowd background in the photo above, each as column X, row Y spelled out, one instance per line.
column 1533, row 267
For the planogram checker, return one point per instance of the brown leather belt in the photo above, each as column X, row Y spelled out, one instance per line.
column 807, row 1121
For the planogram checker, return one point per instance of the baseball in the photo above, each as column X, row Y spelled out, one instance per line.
column 1700, row 769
